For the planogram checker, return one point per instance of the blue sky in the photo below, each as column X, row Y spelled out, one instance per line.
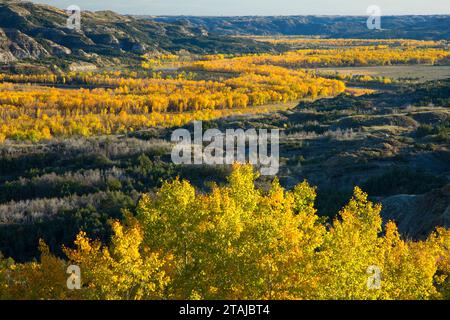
column 258, row 7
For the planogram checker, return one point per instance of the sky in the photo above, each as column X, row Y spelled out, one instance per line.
column 257, row 7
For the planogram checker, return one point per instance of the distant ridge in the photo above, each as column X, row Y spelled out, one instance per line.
column 429, row 27
column 36, row 32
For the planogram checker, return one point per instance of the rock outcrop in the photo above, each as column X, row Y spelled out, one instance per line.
column 34, row 31
column 418, row 215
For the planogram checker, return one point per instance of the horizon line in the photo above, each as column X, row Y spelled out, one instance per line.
column 274, row 15
column 231, row 15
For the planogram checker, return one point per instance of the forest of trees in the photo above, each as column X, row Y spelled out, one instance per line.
column 119, row 105
column 92, row 103
column 356, row 56
column 239, row 242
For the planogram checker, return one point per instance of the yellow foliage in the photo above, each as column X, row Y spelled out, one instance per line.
column 239, row 242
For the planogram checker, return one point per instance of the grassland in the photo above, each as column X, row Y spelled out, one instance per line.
column 414, row 73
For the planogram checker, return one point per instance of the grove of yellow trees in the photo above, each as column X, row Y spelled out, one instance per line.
column 41, row 106
column 356, row 56
column 122, row 104
column 336, row 42
column 239, row 242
